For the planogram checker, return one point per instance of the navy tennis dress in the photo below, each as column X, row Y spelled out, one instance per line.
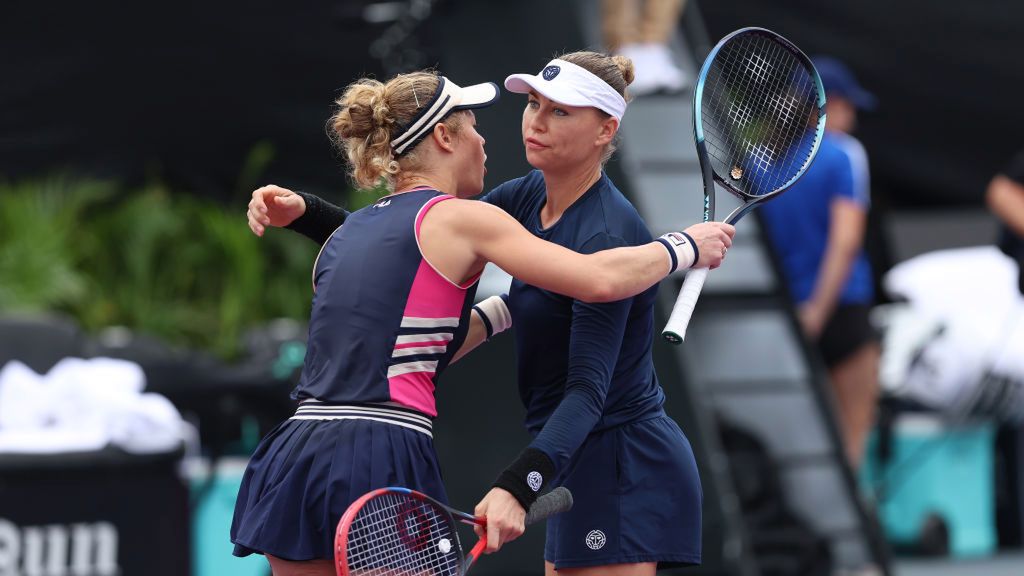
column 593, row 401
column 384, row 325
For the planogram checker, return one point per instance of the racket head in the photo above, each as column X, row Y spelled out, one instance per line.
column 758, row 114
column 397, row 531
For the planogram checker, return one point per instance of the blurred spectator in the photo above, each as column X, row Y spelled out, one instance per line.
column 817, row 228
column 640, row 30
column 1005, row 198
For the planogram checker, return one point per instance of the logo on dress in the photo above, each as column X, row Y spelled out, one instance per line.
column 596, row 540
column 383, row 203
column 550, row 72
column 534, row 480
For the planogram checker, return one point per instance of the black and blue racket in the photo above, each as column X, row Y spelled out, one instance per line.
column 758, row 118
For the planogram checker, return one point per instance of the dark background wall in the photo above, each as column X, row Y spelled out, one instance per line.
column 187, row 91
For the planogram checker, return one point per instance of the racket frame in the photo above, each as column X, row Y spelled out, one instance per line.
column 707, row 171
column 675, row 329
column 341, row 535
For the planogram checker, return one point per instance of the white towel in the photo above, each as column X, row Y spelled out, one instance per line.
column 84, row 405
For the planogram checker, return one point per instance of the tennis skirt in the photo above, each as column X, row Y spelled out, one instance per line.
column 306, row 471
column 637, row 498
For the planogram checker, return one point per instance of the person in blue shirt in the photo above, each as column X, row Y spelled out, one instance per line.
column 585, row 371
column 817, row 230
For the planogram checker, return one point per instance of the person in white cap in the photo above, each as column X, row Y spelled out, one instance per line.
column 393, row 294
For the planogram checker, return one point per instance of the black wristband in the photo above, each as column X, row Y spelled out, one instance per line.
column 320, row 219
column 525, row 477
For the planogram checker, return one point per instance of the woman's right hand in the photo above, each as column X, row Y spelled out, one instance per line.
column 713, row 240
column 273, row 206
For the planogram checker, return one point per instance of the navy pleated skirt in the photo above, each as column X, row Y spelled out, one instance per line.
column 306, row 472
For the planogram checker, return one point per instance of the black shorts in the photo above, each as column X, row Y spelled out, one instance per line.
column 847, row 330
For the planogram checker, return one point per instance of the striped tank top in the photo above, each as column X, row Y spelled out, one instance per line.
column 385, row 323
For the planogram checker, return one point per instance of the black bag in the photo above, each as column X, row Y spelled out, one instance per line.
column 783, row 544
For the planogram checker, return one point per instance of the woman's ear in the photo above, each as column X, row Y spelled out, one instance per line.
column 444, row 137
column 609, row 127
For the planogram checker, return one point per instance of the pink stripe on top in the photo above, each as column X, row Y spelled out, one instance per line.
column 421, row 343
column 415, row 390
column 432, row 298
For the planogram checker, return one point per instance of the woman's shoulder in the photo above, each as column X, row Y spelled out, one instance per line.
column 621, row 218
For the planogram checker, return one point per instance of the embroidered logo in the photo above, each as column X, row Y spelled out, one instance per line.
column 596, row 540
column 550, row 72
column 383, row 203
column 676, row 238
column 534, row 480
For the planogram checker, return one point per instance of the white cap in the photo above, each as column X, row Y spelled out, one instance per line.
column 572, row 85
column 448, row 97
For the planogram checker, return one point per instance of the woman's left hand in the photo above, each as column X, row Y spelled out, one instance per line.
column 812, row 319
column 505, row 518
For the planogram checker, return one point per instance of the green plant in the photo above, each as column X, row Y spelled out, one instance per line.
column 184, row 269
column 38, row 269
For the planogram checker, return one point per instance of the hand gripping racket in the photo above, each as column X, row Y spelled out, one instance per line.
column 401, row 532
column 758, row 118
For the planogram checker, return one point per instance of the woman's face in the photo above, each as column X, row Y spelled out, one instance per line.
column 471, row 158
column 557, row 136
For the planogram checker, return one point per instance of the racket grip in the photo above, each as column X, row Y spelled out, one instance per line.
column 675, row 329
column 555, row 502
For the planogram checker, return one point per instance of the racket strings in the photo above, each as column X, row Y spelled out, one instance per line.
column 759, row 114
column 398, row 535
column 758, row 73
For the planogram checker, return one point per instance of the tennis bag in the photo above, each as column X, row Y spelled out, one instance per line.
column 783, row 544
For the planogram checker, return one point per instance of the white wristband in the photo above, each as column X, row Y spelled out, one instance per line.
column 494, row 312
column 682, row 250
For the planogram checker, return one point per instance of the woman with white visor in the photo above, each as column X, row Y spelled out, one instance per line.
column 585, row 372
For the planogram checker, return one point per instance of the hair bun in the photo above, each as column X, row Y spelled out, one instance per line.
column 364, row 124
column 626, row 68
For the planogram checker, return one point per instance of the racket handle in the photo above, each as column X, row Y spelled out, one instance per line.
column 675, row 329
column 555, row 502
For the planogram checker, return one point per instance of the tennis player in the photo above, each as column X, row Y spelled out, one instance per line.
column 393, row 292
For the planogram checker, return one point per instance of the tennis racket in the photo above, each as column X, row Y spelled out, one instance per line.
column 401, row 532
column 758, row 118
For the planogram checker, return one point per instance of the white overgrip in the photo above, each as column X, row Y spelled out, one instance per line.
column 675, row 329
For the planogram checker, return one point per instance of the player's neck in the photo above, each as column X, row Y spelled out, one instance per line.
column 564, row 188
column 424, row 180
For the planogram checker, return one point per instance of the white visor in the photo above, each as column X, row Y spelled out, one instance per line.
column 448, row 98
column 569, row 84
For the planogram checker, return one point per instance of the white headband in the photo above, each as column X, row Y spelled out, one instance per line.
column 572, row 85
column 448, row 97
